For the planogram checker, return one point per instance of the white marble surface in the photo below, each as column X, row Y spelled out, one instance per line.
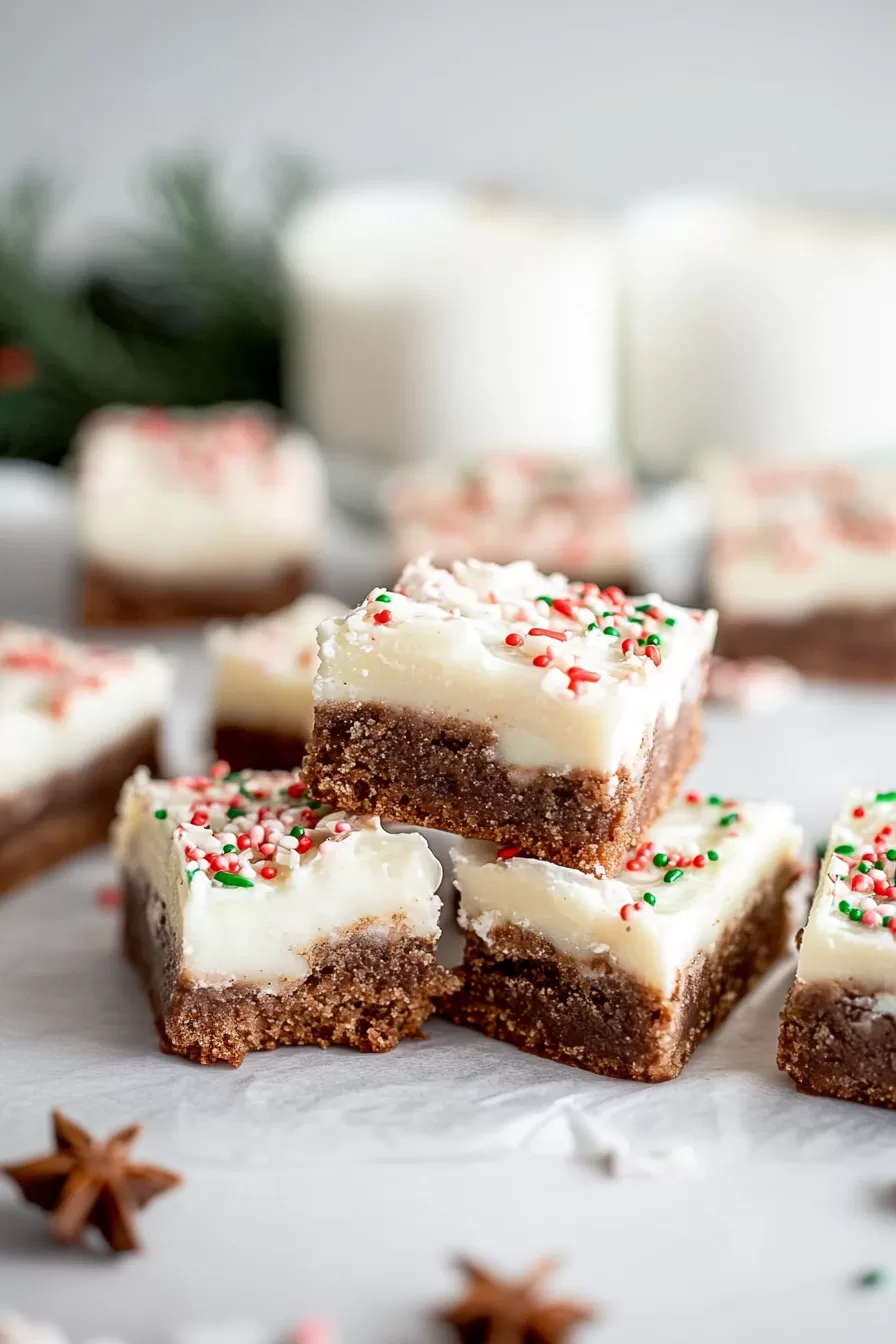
column 335, row 1184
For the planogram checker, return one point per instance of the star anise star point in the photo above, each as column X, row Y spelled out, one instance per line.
column 89, row 1183
column 512, row 1311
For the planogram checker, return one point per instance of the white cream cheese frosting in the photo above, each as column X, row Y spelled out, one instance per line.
column 264, row 668
column 569, row 513
column 850, row 934
column 693, row 874
column 197, row 495
column 793, row 539
column 567, row 675
column 63, row 703
column 251, row 872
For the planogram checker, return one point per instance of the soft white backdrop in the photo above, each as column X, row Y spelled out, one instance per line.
column 591, row 101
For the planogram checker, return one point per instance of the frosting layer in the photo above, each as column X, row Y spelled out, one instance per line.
column 62, row 703
column 674, row 897
column 851, row 930
column 239, row 498
column 264, row 669
column 252, row 872
column 790, row 540
column 567, row 675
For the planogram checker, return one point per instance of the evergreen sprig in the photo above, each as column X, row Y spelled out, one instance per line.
column 188, row 311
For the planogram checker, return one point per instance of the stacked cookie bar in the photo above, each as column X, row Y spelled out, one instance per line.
column 551, row 725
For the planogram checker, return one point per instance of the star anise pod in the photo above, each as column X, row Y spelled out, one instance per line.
column 501, row 1311
column 87, row 1183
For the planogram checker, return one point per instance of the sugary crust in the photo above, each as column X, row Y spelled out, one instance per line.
column 519, row 988
column 364, row 991
column 832, row 1044
column 44, row 824
column 447, row 774
column 108, row 598
column 847, row 644
column 257, row 748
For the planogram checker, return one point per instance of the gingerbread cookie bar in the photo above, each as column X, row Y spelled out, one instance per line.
column 626, row 975
column 803, row 566
column 574, row 514
column 192, row 515
column 258, row 918
column 263, row 670
column 75, row 722
column 838, row 1027
column 509, row 705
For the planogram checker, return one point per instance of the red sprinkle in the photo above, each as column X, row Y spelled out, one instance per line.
column 653, row 653
column 576, row 673
column 627, row 911
column 629, row 645
column 243, row 842
column 219, row 769
column 699, row 860
column 509, row 852
column 548, row 634
column 267, row 849
column 613, row 594
column 268, row 871
column 543, row 660
column 858, row 811
column 692, row 797
column 305, row 843
column 382, row 617
column 565, row 607
column 296, row 790
column 514, row 640
column 199, row 819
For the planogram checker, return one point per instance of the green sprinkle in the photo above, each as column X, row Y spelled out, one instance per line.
column 229, row 849
column 661, row 860
column 611, row 630
column 232, row 880
column 714, row 800
column 654, row 639
column 314, row 804
column 886, row 921
column 729, row 818
column 191, row 873
column 821, row 848
column 864, row 867
column 645, row 606
column 844, row 907
column 888, row 797
column 545, row 598
column 712, row 855
column 160, row 813
column 673, row 875
column 593, row 626
column 236, row 812
column 384, row 597
column 872, row 1278
column 649, row 898
column 879, row 863
column 670, row 620
column 855, row 914
column 298, row 832
column 891, row 854
column 636, row 620
column 642, row 642
column 851, row 849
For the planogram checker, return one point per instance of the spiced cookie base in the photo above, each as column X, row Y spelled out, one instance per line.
column 832, row 1043
column 447, row 774
column 518, row 988
column 842, row 644
column 113, row 598
column 363, row 991
column 48, row 822
column 257, row 748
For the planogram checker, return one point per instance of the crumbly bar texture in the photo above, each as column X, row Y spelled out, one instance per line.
column 504, row 704
column 242, row 498
column 263, row 672
column 75, row 722
column 569, row 513
column 625, row 976
column 258, row 918
column 838, row 1027
column 803, row 566
column 110, row 597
